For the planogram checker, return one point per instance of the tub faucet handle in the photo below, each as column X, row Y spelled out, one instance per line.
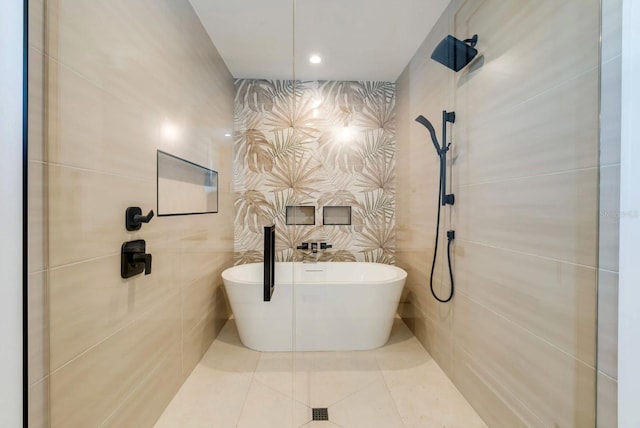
column 324, row 246
column 303, row 246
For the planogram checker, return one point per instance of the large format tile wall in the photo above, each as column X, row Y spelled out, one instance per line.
column 108, row 80
column 519, row 337
column 315, row 143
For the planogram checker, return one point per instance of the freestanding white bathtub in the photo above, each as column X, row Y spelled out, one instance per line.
column 338, row 306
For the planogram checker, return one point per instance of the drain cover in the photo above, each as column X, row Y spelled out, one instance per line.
column 320, row 414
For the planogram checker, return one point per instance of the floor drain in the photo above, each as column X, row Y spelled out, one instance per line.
column 320, row 414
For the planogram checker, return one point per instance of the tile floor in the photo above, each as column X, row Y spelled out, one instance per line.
column 398, row 385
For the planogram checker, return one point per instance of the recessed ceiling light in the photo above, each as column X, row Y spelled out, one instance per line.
column 227, row 135
column 315, row 59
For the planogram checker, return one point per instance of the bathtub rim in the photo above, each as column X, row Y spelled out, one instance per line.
column 400, row 274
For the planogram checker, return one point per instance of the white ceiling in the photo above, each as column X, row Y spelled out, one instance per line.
column 357, row 39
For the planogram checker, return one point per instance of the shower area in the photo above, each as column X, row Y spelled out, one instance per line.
column 165, row 136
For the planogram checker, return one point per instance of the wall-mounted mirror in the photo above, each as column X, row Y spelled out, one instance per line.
column 185, row 187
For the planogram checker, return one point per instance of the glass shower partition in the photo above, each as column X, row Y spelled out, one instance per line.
column 330, row 154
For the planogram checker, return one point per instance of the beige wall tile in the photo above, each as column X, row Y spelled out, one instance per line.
column 549, row 298
column 609, row 224
column 417, row 288
column 429, row 320
column 526, row 54
column 85, row 311
column 37, row 15
column 38, row 327
column 526, row 247
column 101, row 131
column 144, row 405
column 201, row 298
column 557, row 388
column 200, row 259
column 611, row 29
column 550, row 215
column 37, row 216
column 96, row 130
column 37, row 72
column 91, row 205
column 196, row 342
column 482, row 389
column 38, row 403
column 610, row 106
column 529, row 138
column 99, row 44
column 608, row 323
column 116, row 72
column 607, row 401
column 90, row 388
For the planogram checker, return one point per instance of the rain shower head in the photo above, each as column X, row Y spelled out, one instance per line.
column 425, row 122
column 455, row 54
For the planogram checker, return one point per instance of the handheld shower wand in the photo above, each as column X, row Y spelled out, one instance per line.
column 447, row 199
column 443, row 198
column 425, row 122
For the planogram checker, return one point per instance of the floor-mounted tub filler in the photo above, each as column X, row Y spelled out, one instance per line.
column 338, row 306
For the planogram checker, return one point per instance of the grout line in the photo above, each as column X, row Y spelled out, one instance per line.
column 526, row 177
column 293, row 397
column 134, row 320
column 45, row 378
column 79, row 262
column 496, row 393
column 244, row 401
column 59, row 63
column 611, row 378
column 522, row 328
column 393, row 398
column 135, row 388
column 97, row 171
column 360, row 389
column 524, row 253
column 500, row 109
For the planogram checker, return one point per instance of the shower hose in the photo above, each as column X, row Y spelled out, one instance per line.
column 450, row 237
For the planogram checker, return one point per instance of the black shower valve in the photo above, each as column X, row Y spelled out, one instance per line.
column 134, row 218
column 134, row 259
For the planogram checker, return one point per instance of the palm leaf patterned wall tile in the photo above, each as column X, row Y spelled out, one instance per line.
column 315, row 143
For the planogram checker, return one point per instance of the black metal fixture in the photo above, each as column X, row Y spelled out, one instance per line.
column 133, row 218
column 313, row 246
column 134, row 259
column 449, row 117
column 443, row 197
column 455, row 54
column 269, row 262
